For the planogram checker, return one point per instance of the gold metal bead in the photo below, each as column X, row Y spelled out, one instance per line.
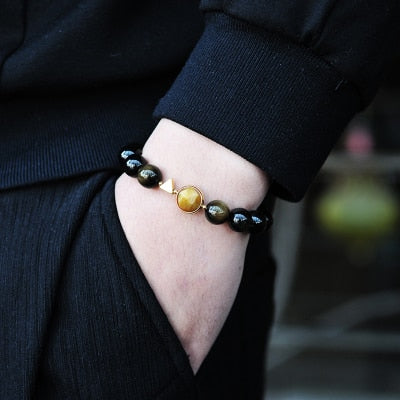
column 168, row 186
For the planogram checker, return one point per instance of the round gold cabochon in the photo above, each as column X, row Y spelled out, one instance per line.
column 189, row 199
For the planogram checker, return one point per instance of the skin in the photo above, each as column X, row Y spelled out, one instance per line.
column 193, row 267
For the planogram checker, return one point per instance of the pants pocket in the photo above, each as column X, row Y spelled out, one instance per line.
column 144, row 293
column 106, row 337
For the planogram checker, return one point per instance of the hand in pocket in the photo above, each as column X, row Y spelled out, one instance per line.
column 193, row 267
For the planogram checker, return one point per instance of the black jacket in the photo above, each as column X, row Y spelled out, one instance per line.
column 275, row 81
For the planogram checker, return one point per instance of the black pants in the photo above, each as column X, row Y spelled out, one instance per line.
column 78, row 319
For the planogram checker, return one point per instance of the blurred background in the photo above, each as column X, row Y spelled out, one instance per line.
column 337, row 323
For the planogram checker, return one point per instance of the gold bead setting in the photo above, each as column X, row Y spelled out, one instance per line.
column 188, row 198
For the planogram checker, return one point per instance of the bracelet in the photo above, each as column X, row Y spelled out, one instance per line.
column 189, row 198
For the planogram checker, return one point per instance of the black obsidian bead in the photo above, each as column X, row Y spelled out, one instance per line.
column 217, row 212
column 259, row 222
column 127, row 151
column 132, row 164
column 149, row 175
column 239, row 220
column 124, row 154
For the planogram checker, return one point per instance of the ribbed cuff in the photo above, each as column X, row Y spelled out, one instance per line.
column 271, row 101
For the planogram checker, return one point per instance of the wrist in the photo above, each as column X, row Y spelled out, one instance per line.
column 192, row 159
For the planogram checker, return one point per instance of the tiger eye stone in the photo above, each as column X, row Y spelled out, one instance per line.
column 149, row 175
column 217, row 212
column 189, row 199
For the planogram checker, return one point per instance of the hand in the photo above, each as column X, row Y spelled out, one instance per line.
column 193, row 267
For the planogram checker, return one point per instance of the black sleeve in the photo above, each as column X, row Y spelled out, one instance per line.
column 277, row 81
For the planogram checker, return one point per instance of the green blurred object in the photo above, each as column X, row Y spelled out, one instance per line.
column 358, row 208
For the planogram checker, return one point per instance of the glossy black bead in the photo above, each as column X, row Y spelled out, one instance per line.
column 132, row 164
column 259, row 222
column 124, row 154
column 217, row 212
column 127, row 151
column 239, row 220
column 149, row 175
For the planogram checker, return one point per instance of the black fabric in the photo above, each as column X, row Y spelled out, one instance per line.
column 79, row 79
column 79, row 320
column 352, row 36
column 277, row 81
column 75, row 44
column 307, row 100
column 292, row 73
column 61, row 135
